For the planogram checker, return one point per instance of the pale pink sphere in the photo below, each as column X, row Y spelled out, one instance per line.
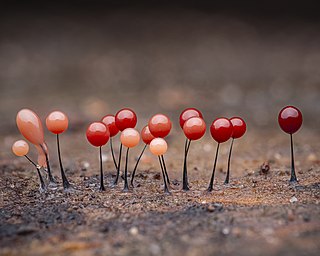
column 158, row 146
column 57, row 122
column 20, row 148
column 130, row 137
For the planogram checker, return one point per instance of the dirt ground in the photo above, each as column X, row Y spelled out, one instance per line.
column 258, row 214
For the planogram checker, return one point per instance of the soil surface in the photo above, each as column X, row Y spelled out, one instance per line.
column 259, row 213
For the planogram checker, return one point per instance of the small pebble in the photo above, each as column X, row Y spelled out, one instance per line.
column 293, row 200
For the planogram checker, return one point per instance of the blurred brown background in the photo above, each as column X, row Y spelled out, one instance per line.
column 90, row 58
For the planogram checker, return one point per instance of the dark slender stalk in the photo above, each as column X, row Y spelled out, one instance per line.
column 42, row 184
column 65, row 181
column 137, row 163
column 165, row 169
column 112, row 153
column 166, row 189
column 51, row 179
column 213, row 170
column 126, row 187
column 293, row 172
column 185, row 185
column 118, row 166
column 33, row 163
column 229, row 160
column 102, row 188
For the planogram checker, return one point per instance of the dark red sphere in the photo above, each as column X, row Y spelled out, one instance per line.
column 110, row 122
column 146, row 135
column 290, row 119
column 221, row 129
column 159, row 125
column 98, row 134
column 126, row 118
column 194, row 128
column 239, row 127
column 188, row 113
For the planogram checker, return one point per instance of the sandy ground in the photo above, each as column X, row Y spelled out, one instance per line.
column 257, row 214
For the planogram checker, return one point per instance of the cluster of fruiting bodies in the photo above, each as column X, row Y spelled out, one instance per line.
column 99, row 133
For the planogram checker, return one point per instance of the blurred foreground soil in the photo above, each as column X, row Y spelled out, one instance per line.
column 258, row 214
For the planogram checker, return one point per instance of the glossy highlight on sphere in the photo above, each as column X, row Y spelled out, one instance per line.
column 98, row 134
column 57, row 122
column 158, row 146
column 221, row 129
column 194, row 128
column 239, row 127
column 110, row 122
column 188, row 113
column 146, row 135
column 126, row 118
column 159, row 125
column 130, row 137
column 290, row 119
column 30, row 126
column 20, row 148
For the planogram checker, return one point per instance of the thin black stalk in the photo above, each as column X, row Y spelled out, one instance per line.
column 112, row 153
column 118, row 166
column 33, row 163
column 65, row 181
column 185, row 183
column 42, row 184
column 166, row 189
column 293, row 172
column 126, row 187
column 51, row 179
column 165, row 169
column 137, row 163
column 213, row 170
column 229, row 160
column 102, row 188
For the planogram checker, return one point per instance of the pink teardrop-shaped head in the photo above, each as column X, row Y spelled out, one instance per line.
column 30, row 126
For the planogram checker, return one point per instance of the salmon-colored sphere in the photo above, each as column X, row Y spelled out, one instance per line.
column 126, row 118
column 20, row 148
column 194, row 128
column 158, row 146
column 160, row 125
column 57, row 122
column 130, row 137
column 110, row 122
column 98, row 134
column 146, row 135
column 188, row 113
column 30, row 126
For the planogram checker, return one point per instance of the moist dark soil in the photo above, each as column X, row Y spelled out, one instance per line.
column 259, row 213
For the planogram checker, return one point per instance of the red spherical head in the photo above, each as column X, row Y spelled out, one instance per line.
column 98, row 134
column 221, row 129
column 239, row 127
column 290, row 119
column 146, row 135
column 126, row 118
column 159, row 125
column 194, row 128
column 110, row 122
column 188, row 113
